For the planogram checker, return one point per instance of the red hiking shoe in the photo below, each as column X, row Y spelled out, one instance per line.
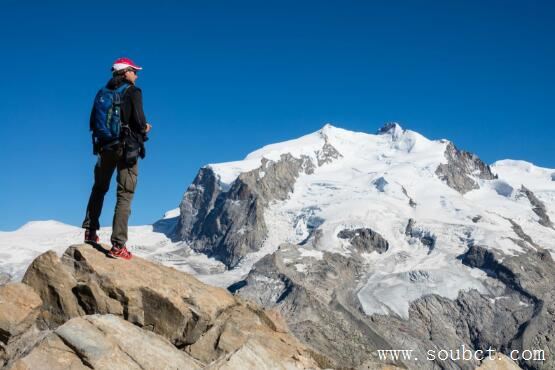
column 91, row 237
column 117, row 252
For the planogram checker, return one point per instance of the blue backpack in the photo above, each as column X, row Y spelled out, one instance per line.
column 106, row 121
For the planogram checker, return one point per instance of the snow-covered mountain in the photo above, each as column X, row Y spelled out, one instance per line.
column 362, row 241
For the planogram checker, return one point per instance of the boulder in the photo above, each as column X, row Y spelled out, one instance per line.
column 365, row 240
column 105, row 342
column 19, row 310
column 87, row 292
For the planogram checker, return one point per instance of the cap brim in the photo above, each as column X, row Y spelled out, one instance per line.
column 121, row 66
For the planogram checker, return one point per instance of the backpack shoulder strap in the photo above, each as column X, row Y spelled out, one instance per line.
column 123, row 89
column 119, row 93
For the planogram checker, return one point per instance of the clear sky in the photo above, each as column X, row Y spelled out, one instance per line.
column 222, row 78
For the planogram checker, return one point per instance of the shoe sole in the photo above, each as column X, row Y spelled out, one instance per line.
column 118, row 257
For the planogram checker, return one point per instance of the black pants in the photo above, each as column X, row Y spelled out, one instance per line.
column 108, row 162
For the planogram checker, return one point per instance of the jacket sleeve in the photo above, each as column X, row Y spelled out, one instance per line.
column 137, row 114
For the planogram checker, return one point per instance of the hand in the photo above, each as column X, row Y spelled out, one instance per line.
column 148, row 127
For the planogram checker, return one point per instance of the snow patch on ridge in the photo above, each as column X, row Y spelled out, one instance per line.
column 387, row 293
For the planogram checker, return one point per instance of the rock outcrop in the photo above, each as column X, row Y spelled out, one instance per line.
column 425, row 237
column 529, row 278
column 317, row 297
column 90, row 311
column 226, row 221
column 105, row 342
column 19, row 310
column 364, row 240
column 228, row 224
column 538, row 207
column 462, row 168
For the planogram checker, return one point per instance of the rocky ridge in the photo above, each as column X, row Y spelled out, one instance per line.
column 226, row 221
column 85, row 311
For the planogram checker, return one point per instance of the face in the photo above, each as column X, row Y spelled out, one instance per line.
column 131, row 76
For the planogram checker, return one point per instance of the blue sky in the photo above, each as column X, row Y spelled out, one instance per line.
column 223, row 78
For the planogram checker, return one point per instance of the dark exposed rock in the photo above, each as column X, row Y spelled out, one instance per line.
column 425, row 237
column 476, row 219
column 319, row 305
column 365, row 240
column 460, row 169
column 515, row 319
column 392, row 128
column 521, row 234
column 412, row 203
column 327, row 154
column 198, row 201
column 538, row 207
column 229, row 224
column 531, row 276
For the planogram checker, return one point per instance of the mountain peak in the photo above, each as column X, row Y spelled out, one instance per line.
column 327, row 126
column 392, row 128
column 327, row 129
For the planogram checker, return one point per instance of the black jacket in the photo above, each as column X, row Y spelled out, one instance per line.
column 131, row 114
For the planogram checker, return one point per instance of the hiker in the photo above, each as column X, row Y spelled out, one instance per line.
column 119, row 130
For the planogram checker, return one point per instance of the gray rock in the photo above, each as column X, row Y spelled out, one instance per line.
column 198, row 201
column 391, row 128
column 226, row 221
column 227, row 225
column 319, row 304
column 461, row 168
column 327, row 154
column 530, row 276
column 365, row 240
column 412, row 203
column 427, row 238
column 520, row 233
column 538, row 207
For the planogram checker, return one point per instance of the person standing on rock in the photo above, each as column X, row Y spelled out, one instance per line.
column 119, row 129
